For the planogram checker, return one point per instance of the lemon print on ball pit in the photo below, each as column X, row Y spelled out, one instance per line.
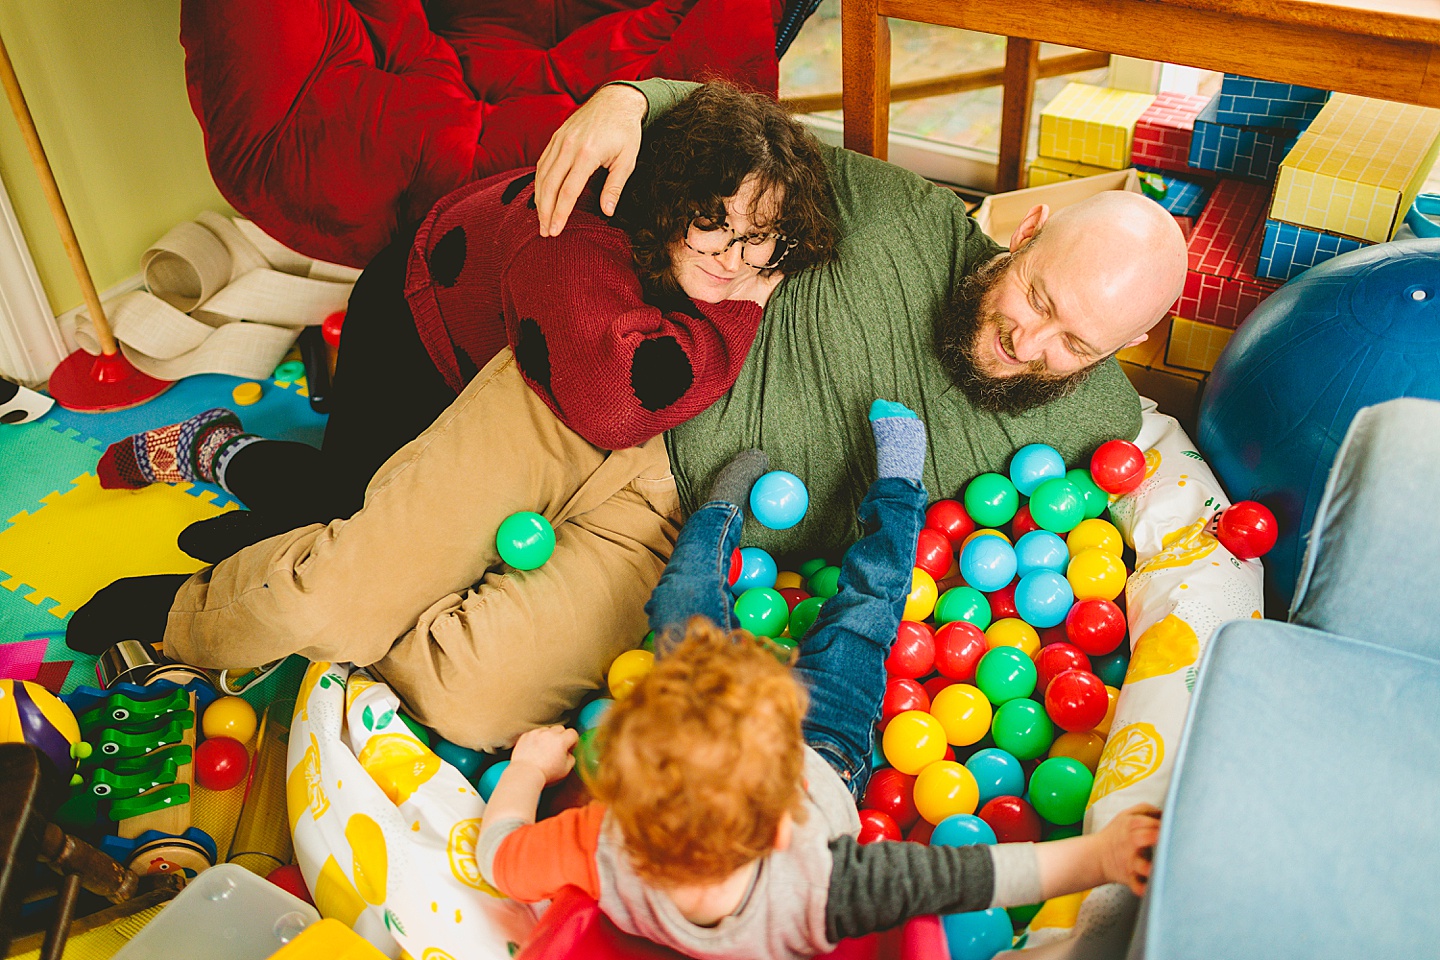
column 371, row 861
column 1181, row 548
column 1165, row 647
column 303, row 790
column 1133, row 753
column 335, row 896
column 399, row 763
column 461, row 848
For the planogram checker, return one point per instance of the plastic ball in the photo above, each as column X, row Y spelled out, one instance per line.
column 959, row 645
column 963, row 712
column 912, row 654
column 757, row 569
column 1247, row 529
column 491, row 777
column 961, row 830
column 1012, row 819
column 1022, row 729
column 1057, row 506
column 291, row 880
column 1033, row 464
column 593, row 712
column 1076, row 700
column 1040, row 550
column 1055, row 659
column 1002, row 603
column 901, row 695
column 991, row 499
column 977, row 936
column 984, row 532
column 1096, row 575
column 1097, row 501
column 220, row 763
column 1043, row 598
column 997, row 773
column 1005, row 674
column 943, row 789
column 892, row 793
column 778, row 500
column 783, row 647
column 877, row 825
column 1053, row 832
column 1112, row 696
column 627, row 670
column 1101, row 534
column 913, row 740
column 1118, row 467
column 229, row 717
column 331, row 327
column 31, row 714
column 825, row 583
column 467, row 761
column 733, row 571
column 963, row 603
column 793, row 596
column 587, row 755
column 920, row 833
column 788, row 580
column 1023, row 523
column 933, row 553
column 988, row 564
column 1011, row 632
column 1082, row 745
column 949, row 517
column 1095, row 626
column 1054, row 634
column 810, row 567
column 922, row 598
column 762, row 611
column 1021, row 916
column 1060, row 788
column 1111, row 667
column 803, row 616
column 525, row 540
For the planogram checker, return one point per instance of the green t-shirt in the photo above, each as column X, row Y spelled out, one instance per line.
column 836, row 337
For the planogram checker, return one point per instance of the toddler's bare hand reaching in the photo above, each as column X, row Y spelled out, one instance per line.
column 1128, row 846
column 547, row 749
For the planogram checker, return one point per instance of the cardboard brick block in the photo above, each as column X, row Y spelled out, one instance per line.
column 1247, row 102
column 1175, row 390
column 1250, row 152
column 1195, row 346
column 1184, row 197
column 1288, row 250
column 1091, row 125
column 1221, row 287
column 1163, row 132
column 1045, row 170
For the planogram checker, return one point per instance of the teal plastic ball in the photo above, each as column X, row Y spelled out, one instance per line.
column 778, row 500
column 525, row 540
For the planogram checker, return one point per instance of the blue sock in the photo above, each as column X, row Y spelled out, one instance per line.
column 899, row 440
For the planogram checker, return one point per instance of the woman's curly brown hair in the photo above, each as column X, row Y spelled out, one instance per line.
column 699, row 153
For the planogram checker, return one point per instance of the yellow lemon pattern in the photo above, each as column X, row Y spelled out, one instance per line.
column 353, row 688
column 1133, row 753
column 435, row 953
column 371, row 863
column 399, row 763
column 307, row 687
column 1061, row 912
column 1152, row 462
column 1181, row 548
column 463, row 866
column 334, row 895
column 1167, row 646
column 304, row 788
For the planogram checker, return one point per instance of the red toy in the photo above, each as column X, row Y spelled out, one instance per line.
column 1055, row 634
column 220, row 763
column 330, row 328
column 934, row 553
column 1012, row 819
column 1076, row 700
column 935, row 684
column 959, row 645
column 877, row 825
column 292, row 881
column 1022, row 523
column 913, row 654
column 950, row 518
column 1002, row 603
column 1095, row 626
column 1118, row 466
column 1054, row 660
column 1247, row 529
column 900, row 695
column 892, row 793
column 920, row 833
column 793, row 596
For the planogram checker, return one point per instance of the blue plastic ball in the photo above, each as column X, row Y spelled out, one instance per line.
column 593, row 712
column 997, row 773
column 468, row 762
column 1041, row 550
column 1033, row 464
column 1112, row 666
column 1043, row 597
column 877, row 757
column 987, row 564
column 979, row 935
column 779, row 500
column 757, row 569
column 488, row 779
column 961, row 830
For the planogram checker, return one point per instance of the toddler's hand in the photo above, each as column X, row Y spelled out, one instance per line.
column 1128, row 846
column 548, row 750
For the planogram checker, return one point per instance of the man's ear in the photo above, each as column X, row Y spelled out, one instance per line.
column 1029, row 226
column 1137, row 341
column 784, row 832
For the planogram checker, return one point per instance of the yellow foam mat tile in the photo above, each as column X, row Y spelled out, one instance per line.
column 1092, row 125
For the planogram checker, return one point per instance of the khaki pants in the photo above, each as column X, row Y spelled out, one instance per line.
column 413, row 587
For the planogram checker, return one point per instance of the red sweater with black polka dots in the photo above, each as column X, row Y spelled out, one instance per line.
column 615, row 367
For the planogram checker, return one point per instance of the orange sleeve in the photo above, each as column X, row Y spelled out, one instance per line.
column 535, row 861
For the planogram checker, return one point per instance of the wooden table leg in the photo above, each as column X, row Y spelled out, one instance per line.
column 1022, row 65
column 865, row 54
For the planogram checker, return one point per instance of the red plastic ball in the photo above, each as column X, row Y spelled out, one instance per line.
column 220, row 763
column 1002, row 603
column 934, row 553
column 913, row 653
column 1054, row 660
column 1095, row 626
column 735, row 564
column 1012, row 819
column 793, row 596
column 1076, row 700
column 920, row 833
column 330, row 328
column 935, row 684
column 959, row 645
column 902, row 694
column 950, row 518
column 1055, row 634
column 1247, row 529
column 892, row 793
column 1118, row 466
column 292, row 881
column 1023, row 523
column 877, row 825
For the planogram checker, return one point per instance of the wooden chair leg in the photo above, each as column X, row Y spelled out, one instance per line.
column 1022, row 66
column 865, row 58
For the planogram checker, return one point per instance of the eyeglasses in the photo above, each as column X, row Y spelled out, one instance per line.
column 761, row 251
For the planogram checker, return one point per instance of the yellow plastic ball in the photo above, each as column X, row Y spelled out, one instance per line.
column 1096, row 575
column 229, row 717
column 964, row 713
column 913, row 741
column 923, row 594
column 789, row 579
column 944, row 789
column 983, row 532
column 627, row 670
column 1081, row 745
column 1013, row 632
column 1100, row 534
column 1103, row 727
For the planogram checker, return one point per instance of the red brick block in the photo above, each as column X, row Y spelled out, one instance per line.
column 1221, row 287
column 1162, row 134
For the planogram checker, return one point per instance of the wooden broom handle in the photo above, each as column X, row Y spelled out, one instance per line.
column 53, row 199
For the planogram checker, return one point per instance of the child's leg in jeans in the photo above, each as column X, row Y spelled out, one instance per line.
column 842, row 656
column 695, row 580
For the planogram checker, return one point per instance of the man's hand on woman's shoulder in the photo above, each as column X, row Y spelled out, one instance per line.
column 604, row 132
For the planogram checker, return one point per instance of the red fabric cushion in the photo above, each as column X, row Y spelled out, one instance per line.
column 333, row 123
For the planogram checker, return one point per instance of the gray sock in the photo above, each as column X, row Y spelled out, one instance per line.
column 737, row 477
column 899, row 440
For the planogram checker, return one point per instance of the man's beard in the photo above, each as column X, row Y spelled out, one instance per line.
column 963, row 336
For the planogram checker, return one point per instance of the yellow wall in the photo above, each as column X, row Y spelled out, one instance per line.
column 105, row 80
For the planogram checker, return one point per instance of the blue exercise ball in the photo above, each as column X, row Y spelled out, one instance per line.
column 1354, row 331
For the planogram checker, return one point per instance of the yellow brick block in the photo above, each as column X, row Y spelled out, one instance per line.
column 1358, row 167
column 1045, row 170
column 1091, row 125
column 1195, row 346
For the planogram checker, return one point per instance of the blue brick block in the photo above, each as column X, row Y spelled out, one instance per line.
column 1253, row 153
column 1247, row 102
column 1288, row 251
column 1183, row 198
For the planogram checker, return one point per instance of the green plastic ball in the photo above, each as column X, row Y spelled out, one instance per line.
column 991, row 500
column 804, row 615
column 1020, row 916
column 525, row 540
column 811, row 567
column 1057, row 506
column 783, row 647
column 762, row 611
column 1059, row 790
column 1096, row 500
column 825, row 583
column 1005, row 674
column 1065, row 832
column 422, row 733
column 1022, row 728
column 963, row 603
column 587, row 755
column 649, row 642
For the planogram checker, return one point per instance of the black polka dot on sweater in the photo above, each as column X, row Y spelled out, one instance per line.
column 467, row 365
column 516, row 185
column 533, row 354
column 660, row 373
column 447, row 257
column 673, row 301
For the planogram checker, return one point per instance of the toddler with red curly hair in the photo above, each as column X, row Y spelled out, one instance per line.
column 725, row 823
